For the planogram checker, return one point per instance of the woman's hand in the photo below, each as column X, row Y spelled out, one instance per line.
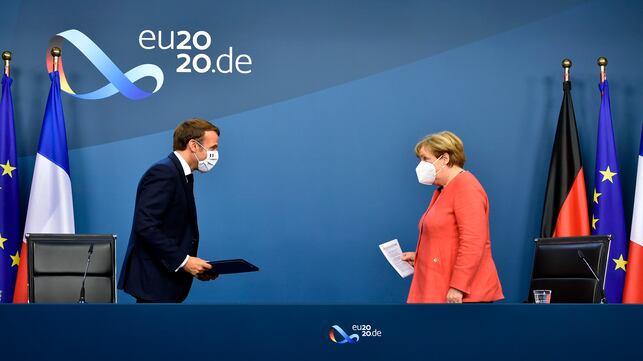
column 454, row 296
column 409, row 257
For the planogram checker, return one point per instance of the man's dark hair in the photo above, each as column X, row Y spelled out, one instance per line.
column 192, row 129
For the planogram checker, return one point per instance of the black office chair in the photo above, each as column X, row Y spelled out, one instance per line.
column 559, row 267
column 57, row 263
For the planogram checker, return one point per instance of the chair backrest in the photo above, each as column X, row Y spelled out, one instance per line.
column 559, row 268
column 57, row 263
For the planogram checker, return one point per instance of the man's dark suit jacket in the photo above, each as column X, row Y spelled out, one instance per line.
column 164, row 232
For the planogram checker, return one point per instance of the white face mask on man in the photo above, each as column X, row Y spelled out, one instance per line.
column 211, row 159
column 426, row 172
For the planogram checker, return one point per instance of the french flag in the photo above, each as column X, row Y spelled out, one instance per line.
column 633, row 292
column 50, row 208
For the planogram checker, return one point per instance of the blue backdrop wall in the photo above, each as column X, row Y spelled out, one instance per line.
column 317, row 163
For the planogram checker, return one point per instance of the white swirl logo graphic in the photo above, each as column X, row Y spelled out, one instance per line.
column 118, row 81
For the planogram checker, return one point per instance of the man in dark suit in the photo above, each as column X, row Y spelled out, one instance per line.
column 161, row 260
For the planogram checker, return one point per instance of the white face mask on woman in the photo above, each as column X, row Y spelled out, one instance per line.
column 426, row 172
column 210, row 160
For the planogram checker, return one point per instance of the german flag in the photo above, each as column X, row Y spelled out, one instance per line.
column 565, row 210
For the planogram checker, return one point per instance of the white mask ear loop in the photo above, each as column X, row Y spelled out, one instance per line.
column 206, row 151
column 443, row 165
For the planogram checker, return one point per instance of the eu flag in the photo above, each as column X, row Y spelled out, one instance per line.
column 607, row 201
column 10, row 232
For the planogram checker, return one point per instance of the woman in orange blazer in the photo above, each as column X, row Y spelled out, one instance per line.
column 452, row 260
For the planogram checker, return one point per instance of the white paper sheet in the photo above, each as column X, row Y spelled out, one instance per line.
column 393, row 254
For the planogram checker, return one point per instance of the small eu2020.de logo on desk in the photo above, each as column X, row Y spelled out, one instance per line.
column 338, row 335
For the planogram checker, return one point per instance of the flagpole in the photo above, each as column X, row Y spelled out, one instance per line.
column 6, row 56
column 602, row 63
column 56, row 52
column 567, row 64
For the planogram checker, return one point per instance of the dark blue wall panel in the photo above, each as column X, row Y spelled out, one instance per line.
column 317, row 163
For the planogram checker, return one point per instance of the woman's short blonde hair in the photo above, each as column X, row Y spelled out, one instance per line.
column 441, row 143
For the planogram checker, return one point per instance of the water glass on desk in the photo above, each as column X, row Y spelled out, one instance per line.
column 542, row 296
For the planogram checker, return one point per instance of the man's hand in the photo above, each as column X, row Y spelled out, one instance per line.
column 195, row 266
column 207, row 276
